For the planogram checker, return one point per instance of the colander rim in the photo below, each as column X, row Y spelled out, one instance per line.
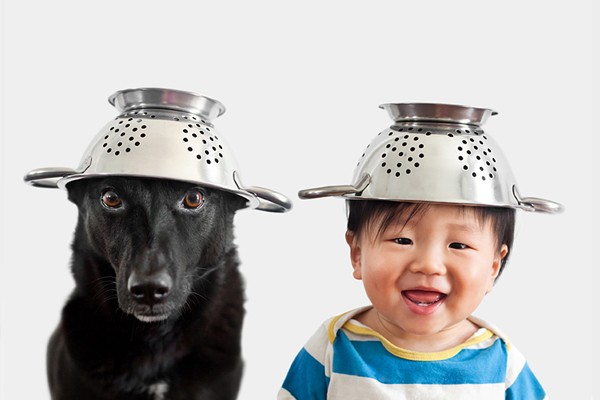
column 177, row 100
column 437, row 112
column 358, row 197
column 253, row 201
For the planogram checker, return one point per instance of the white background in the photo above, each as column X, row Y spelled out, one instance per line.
column 301, row 82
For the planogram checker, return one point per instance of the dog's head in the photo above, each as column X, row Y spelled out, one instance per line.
column 156, row 240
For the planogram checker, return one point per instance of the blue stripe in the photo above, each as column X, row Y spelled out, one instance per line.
column 306, row 378
column 526, row 387
column 370, row 359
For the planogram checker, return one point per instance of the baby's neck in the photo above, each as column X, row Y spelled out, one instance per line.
column 440, row 341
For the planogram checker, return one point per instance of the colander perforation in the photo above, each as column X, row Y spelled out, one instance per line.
column 476, row 156
column 403, row 149
column 139, row 114
column 164, row 114
column 124, row 135
column 402, row 153
column 202, row 143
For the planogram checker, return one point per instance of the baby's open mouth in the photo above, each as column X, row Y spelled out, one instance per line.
column 423, row 298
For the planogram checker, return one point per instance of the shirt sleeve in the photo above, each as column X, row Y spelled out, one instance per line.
column 308, row 376
column 521, row 383
column 305, row 380
column 526, row 387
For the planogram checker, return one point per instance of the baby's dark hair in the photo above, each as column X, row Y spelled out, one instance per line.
column 363, row 213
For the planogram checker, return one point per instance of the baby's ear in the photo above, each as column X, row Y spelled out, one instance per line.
column 497, row 265
column 355, row 254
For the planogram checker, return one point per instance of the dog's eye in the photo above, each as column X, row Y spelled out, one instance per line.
column 193, row 199
column 111, row 199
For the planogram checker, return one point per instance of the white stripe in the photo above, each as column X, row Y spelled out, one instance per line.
column 319, row 347
column 488, row 325
column 284, row 395
column 360, row 338
column 318, row 343
column 483, row 344
column 515, row 363
column 159, row 390
column 347, row 387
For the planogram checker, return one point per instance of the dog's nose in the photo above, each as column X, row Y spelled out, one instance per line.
column 150, row 289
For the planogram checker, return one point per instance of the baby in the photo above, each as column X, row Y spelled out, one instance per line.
column 427, row 253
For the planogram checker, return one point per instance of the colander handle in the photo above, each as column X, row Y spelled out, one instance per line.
column 537, row 204
column 541, row 205
column 270, row 200
column 47, row 177
column 337, row 190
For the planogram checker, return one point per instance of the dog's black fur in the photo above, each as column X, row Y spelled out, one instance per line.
column 102, row 348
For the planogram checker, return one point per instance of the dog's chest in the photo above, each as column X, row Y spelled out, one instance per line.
column 158, row 390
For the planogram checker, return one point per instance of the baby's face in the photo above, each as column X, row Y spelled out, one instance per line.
column 429, row 275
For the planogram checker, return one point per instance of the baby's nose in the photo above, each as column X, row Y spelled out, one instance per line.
column 428, row 261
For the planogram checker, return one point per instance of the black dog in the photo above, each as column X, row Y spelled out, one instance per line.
column 157, row 310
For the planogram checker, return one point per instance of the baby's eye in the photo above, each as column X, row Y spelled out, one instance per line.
column 459, row 246
column 403, row 241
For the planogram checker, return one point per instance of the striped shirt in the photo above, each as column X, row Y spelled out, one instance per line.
column 347, row 360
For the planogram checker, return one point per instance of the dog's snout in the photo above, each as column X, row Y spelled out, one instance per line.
column 150, row 289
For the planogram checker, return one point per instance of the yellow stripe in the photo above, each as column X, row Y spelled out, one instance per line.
column 331, row 328
column 408, row 354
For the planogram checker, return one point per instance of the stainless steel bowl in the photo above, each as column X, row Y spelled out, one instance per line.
column 167, row 134
column 435, row 153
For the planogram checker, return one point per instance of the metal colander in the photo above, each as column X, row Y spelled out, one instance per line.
column 162, row 133
column 435, row 153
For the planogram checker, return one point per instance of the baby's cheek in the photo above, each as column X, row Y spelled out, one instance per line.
column 382, row 277
column 467, row 296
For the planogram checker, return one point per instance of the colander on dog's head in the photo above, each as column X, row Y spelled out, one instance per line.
column 167, row 134
column 435, row 153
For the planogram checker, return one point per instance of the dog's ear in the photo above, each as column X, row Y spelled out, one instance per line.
column 234, row 202
column 76, row 191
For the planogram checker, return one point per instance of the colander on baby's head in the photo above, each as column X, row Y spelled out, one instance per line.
column 435, row 153
column 165, row 134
